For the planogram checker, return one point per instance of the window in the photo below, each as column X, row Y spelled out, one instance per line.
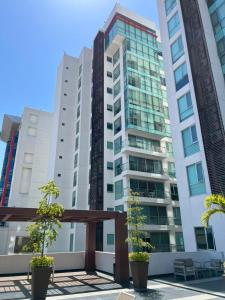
column 176, row 216
column 61, row 140
column 64, row 108
column 173, row 25
column 75, row 160
column 118, row 189
column 116, row 89
column 32, row 131
column 109, row 165
column 177, row 49
column 65, row 94
column 161, row 241
column 109, row 59
column 185, row 106
column 77, row 127
column 20, row 242
column 118, row 145
column 33, row 118
column 25, row 180
column 118, row 166
column 174, row 192
column 110, row 239
column 148, row 189
column 190, row 141
column 117, row 125
column 80, row 69
column 76, row 143
column 109, row 107
column 109, row 145
column 169, row 5
column 117, row 106
column 59, row 175
column 73, row 198
column 116, row 57
column 155, row 215
column 110, row 188
column 116, row 72
column 204, row 238
column 196, row 179
column 109, row 126
column 171, row 169
column 67, row 68
column 78, row 99
column 109, row 74
column 66, row 80
column 63, row 124
column 181, row 76
column 169, row 148
column 78, row 111
column 141, row 164
column 28, row 158
column 60, row 156
column 75, row 179
column 71, row 242
column 119, row 208
column 109, row 90
column 79, row 83
column 179, row 241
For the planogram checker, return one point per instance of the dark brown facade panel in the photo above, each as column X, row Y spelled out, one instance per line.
column 211, row 123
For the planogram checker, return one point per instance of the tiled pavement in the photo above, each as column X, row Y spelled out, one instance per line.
column 80, row 286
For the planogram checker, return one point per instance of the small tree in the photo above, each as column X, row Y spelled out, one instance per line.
column 44, row 231
column 214, row 204
column 136, row 234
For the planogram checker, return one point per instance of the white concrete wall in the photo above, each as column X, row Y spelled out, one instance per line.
column 160, row 263
column 19, row 263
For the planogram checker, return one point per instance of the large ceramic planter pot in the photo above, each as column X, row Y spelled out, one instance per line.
column 40, row 281
column 139, row 271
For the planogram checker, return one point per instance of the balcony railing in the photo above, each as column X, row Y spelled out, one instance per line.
column 143, row 145
column 167, row 248
column 147, row 193
column 162, row 220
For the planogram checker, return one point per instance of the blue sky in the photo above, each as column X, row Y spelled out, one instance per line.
column 33, row 36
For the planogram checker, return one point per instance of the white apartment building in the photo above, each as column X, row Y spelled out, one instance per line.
column 195, row 90
column 71, row 143
column 131, row 142
column 30, row 171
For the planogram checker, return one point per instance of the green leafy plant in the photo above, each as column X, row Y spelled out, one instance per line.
column 43, row 232
column 214, row 204
column 136, row 234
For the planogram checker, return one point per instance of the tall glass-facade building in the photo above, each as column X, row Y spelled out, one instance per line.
column 10, row 133
column 131, row 140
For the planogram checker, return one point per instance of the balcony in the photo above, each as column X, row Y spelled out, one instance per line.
column 144, row 170
column 144, row 148
column 162, row 220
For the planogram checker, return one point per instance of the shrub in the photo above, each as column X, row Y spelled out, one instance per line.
column 42, row 261
column 139, row 256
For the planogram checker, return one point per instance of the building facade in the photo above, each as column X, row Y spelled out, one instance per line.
column 69, row 166
column 30, row 171
column 131, row 142
column 193, row 55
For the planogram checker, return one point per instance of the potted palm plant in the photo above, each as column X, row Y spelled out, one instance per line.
column 139, row 258
column 42, row 233
column 214, row 204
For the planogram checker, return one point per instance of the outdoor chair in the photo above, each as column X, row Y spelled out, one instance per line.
column 185, row 268
column 125, row 296
column 215, row 266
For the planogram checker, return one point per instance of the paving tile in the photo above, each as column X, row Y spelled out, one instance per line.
column 80, row 289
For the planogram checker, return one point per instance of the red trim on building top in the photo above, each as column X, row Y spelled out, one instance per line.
column 8, row 168
column 130, row 22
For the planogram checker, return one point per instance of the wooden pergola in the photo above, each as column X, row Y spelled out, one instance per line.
column 90, row 218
